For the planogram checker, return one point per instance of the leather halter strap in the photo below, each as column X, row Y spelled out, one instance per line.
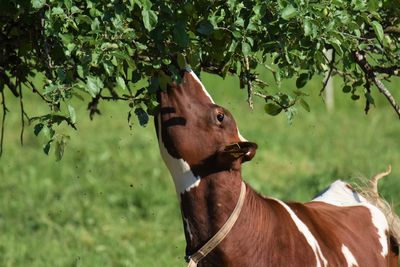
column 194, row 259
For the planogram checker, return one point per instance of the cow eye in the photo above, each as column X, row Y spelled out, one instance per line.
column 220, row 117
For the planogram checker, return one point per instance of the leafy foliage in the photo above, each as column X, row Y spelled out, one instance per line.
column 128, row 49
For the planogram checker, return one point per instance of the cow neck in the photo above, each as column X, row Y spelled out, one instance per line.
column 206, row 207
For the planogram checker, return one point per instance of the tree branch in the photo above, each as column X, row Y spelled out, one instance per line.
column 367, row 94
column 37, row 92
column 248, row 81
column 21, row 104
column 3, row 103
column 393, row 70
column 331, row 67
column 392, row 29
column 92, row 107
column 366, row 67
column 116, row 97
column 9, row 84
column 270, row 97
column 266, row 97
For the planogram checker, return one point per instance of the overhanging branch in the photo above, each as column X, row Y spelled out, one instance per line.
column 393, row 70
column 369, row 72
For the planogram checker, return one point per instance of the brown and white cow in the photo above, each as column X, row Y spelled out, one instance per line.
column 338, row 228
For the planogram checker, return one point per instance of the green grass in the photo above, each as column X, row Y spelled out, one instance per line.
column 111, row 201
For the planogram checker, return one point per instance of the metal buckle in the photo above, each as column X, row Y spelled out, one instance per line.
column 187, row 258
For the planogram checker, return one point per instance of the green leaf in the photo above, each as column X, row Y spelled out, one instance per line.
column 146, row 4
column 79, row 70
column 154, row 85
column 302, row 80
column 272, row 109
column 49, row 132
column 233, row 46
column 95, row 25
column 205, row 27
column 121, row 83
column 60, row 148
column 75, row 9
column 237, row 34
column 307, row 27
column 239, row 22
column 72, row 114
column 300, row 93
column 108, row 67
column 149, row 19
column 337, row 45
column 38, row 128
column 304, row 104
column 94, row 85
column 57, row 11
column 181, row 61
column 373, row 5
column 290, row 112
column 180, row 35
column 142, row 116
column 68, row 4
column 246, row 49
column 369, row 98
column 46, row 147
column 38, row 3
column 346, row 89
column 289, row 12
column 164, row 80
column 378, row 30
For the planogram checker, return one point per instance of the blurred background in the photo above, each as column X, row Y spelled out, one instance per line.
column 111, row 202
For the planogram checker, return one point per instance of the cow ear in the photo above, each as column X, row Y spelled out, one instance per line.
column 191, row 81
column 243, row 151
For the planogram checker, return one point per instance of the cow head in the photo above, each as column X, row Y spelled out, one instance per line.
column 196, row 136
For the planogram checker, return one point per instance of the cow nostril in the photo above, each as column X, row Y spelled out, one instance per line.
column 220, row 117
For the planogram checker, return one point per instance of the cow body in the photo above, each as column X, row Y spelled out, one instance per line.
column 203, row 149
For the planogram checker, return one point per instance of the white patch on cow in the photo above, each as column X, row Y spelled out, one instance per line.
column 183, row 177
column 351, row 261
column 241, row 137
column 307, row 234
column 202, row 86
column 187, row 227
column 381, row 224
column 340, row 194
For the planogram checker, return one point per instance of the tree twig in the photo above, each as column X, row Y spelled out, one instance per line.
column 37, row 92
column 21, row 104
column 393, row 70
column 9, row 83
column 3, row 103
column 366, row 67
column 248, row 81
column 392, row 29
column 367, row 94
column 92, row 107
column 266, row 97
column 331, row 67
column 270, row 97
column 116, row 97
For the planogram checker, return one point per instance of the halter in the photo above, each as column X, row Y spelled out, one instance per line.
column 196, row 257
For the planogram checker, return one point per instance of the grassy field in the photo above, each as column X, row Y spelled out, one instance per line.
column 111, row 201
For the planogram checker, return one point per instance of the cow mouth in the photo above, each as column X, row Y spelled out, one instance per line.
column 239, row 149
